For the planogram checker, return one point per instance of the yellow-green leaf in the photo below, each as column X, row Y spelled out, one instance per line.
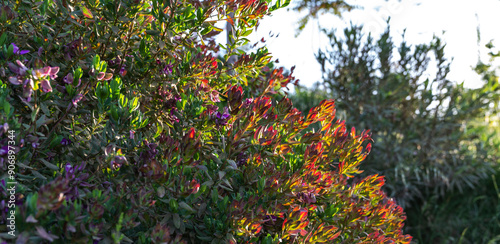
column 86, row 12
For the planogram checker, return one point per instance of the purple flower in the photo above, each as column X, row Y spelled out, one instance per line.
column 17, row 51
column 115, row 61
column 222, row 118
column 53, row 72
column 18, row 69
column 46, row 85
column 4, row 150
column 248, row 101
column 118, row 161
column 132, row 134
column 211, row 109
column 123, row 71
column 27, row 89
column 77, row 99
column 65, row 142
column 5, row 128
column 41, row 73
column 167, row 70
column 16, row 80
column 271, row 218
column 68, row 79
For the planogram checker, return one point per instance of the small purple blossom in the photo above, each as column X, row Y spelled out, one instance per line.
column 271, row 218
column 76, row 179
column 77, row 99
column 211, row 109
column 41, row 73
column 115, row 157
column 123, row 71
column 248, row 101
column 65, row 142
column 242, row 158
column 19, row 70
column 45, row 84
column 53, row 72
column 27, row 89
column 167, row 70
column 16, row 80
column 222, row 118
column 4, row 128
column 68, row 79
column 115, row 61
column 4, row 150
column 131, row 132
column 17, row 51
column 117, row 162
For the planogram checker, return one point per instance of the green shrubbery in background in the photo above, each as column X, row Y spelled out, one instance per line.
column 430, row 140
column 128, row 129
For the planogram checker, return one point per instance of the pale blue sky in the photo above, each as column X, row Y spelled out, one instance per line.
column 421, row 18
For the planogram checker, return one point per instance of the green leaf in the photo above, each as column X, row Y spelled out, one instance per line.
column 38, row 175
column 6, row 108
column 3, row 38
column 153, row 32
column 10, row 50
column 96, row 61
column 49, row 165
column 86, row 12
column 186, row 207
column 177, row 220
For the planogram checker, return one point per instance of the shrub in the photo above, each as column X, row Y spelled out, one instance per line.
column 127, row 128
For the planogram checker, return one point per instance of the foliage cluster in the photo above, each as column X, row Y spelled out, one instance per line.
column 128, row 129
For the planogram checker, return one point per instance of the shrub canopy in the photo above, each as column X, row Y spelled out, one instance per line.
column 128, row 128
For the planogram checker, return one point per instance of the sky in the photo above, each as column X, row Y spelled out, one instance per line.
column 455, row 22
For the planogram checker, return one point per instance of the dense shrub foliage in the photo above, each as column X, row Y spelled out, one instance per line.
column 127, row 128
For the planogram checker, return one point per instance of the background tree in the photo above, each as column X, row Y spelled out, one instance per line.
column 424, row 129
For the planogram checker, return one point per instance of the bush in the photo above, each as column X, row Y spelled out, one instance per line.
column 123, row 126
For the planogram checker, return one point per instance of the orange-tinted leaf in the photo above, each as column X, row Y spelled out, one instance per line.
column 191, row 133
column 86, row 12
